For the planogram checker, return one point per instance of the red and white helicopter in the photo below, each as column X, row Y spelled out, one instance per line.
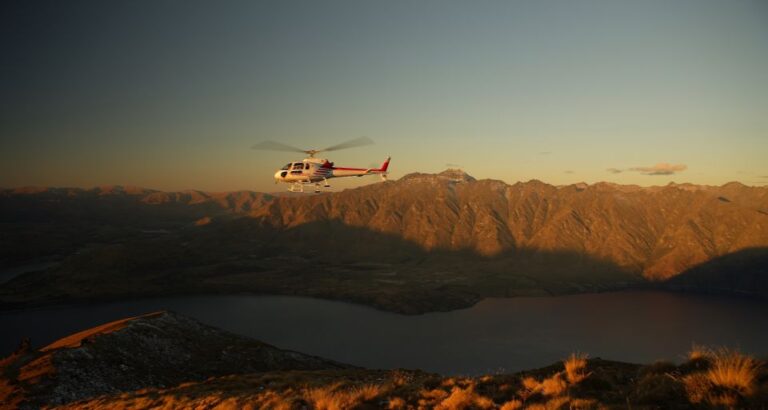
column 313, row 170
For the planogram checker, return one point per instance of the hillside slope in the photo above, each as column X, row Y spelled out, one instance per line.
column 154, row 350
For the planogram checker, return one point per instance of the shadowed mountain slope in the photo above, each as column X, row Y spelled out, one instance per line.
column 155, row 350
column 326, row 259
column 742, row 272
column 422, row 243
column 659, row 231
column 52, row 223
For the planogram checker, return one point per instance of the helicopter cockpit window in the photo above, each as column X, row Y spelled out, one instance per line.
column 287, row 166
column 298, row 165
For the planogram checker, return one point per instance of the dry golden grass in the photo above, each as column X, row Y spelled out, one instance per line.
column 36, row 369
column 727, row 379
column 272, row 400
column 530, row 387
column 697, row 387
column 733, row 370
column 396, row 403
column 529, row 383
column 553, row 386
column 699, row 352
column 556, row 403
column 730, row 379
column 583, row 404
column 513, row 404
column 575, row 367
column 7, row 397
column 335, row 398
column 400, row 378
column 449, row 382
column 76, row 339
column 465, row 398
column 436, row 394
column 231, row 392
column 557, row 384
column 429, row 398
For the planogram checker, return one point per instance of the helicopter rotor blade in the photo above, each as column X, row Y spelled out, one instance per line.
column 357, row 142
column 275, row 146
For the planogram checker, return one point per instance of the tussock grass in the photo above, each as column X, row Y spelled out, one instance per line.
column 557, row 384
column 697, row 387
column 729, row 380
column 723, row 379
column 333, row 398
column 529, row 383
column 735, row 371
column 583, row 404
column 556, row 403
column 400, row 378
column 465, row 398
column 553, row 386
column 513, row 404
column 575, row 367
column 396, row 403
column 429, row 398
column 700, row 352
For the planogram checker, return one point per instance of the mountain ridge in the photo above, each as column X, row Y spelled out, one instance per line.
column 422, row 243
column 659, row 232
column 449, row 173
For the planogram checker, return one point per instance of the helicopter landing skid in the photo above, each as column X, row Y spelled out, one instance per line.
column 296, row 187
column 299, row 186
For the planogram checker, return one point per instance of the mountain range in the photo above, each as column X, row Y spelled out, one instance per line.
column 424, row 242
column 658, row 232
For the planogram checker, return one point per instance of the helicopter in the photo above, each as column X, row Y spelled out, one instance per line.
column 313, row 170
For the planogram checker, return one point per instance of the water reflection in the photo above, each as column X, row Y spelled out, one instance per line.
column 509, row 334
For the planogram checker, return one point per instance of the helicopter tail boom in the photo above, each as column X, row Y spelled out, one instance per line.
column 348, row 172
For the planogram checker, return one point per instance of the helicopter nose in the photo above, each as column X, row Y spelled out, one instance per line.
column 277, row 176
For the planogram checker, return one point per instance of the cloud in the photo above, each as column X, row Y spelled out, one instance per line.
column 568, row 171
column 545, row 152
column 614, row 170
column 661, row 169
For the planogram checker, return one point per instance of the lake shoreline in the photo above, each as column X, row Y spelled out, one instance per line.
column 622, row 325
column 144, row 362
column 447, row 304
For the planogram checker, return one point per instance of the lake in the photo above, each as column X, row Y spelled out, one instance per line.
column 494, row 335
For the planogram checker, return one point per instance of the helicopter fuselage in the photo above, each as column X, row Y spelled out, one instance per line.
column 316, row 170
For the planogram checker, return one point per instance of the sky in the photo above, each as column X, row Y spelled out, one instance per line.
column 171, row 94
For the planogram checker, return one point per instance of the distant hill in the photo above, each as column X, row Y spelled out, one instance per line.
column 422, row 243
column 53, row 223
